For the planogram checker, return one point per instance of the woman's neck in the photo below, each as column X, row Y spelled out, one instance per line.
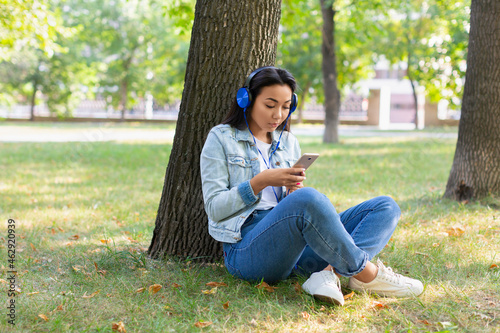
column 264, row 137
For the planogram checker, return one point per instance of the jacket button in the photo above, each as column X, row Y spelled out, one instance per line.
column 277, row 163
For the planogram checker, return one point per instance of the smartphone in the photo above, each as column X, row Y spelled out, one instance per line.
column 305, row 160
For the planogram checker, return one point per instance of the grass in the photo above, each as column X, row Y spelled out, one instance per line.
column 85, row 216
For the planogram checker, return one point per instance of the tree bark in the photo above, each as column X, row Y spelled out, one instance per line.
column 229, row 40
column 475, row 172
column 329, row 67
column 413, row 88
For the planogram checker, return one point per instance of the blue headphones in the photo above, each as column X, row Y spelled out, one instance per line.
column 244, row 96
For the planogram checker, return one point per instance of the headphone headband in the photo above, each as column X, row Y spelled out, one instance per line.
column 255, row 72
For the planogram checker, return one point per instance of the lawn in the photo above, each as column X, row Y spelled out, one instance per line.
column 84, row 215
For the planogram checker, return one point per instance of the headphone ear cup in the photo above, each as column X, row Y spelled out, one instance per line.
column 293, row 104
column 243, row 98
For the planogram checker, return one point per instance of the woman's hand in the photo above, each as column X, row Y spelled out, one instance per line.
column 292, row 178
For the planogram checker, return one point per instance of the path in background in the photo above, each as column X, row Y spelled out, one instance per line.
column 20, row 133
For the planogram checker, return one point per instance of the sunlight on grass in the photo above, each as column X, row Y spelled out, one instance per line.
column 85, row 215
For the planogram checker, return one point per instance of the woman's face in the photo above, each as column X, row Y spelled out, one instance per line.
column 270, row 109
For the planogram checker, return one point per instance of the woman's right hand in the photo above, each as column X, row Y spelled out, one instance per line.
column 277, row 177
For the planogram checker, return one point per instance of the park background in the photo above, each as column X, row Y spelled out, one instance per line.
column 85, row 195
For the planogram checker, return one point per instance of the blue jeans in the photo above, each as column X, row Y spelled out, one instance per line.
column 304, row 233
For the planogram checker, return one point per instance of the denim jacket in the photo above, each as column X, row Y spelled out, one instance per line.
column 229, row 160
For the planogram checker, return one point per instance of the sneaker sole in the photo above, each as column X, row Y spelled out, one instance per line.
column 328, row 299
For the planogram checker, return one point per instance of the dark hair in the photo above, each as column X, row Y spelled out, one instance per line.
column 266, row 77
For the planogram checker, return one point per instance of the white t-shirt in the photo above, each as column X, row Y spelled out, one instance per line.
column 268, row 200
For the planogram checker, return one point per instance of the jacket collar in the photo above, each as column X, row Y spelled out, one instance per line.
column 245, row 135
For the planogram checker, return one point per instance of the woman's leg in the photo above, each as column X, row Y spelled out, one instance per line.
column 370, row 225
column 272, row 248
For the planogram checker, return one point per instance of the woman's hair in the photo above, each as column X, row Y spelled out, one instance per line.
column 266, row 77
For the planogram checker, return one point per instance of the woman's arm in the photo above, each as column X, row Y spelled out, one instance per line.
column 221, row 202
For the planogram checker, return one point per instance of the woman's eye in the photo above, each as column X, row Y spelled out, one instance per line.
column 270, row 106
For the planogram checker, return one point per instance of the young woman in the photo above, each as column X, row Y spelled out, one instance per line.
column 269, row 223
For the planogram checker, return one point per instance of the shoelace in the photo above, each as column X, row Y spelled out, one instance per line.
column 389, row 274
column 333, row 278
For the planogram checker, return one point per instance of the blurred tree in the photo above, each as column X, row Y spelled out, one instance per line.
column 27, row 24
column 229, row 40
column 430, row 36
column 475, row 172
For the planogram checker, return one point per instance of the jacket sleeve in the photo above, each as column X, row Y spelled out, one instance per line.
column 221, row 202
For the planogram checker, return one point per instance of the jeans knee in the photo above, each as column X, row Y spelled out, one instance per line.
column 390, row 206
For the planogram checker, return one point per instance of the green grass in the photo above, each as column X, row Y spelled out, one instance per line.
column 110, row 191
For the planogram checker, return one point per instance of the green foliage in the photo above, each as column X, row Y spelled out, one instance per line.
column 432, row 38
column 27, row 24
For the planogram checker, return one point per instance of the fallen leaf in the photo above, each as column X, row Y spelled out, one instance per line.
column 455, row 231
column 264, row 285
column 33, row 293
column 140, row 290
column 297, row 287
column 132, row 240
column 105, row 241
column 3, row 281
column 44, row 317
column 253, row 322
column 493, row 266
column 53, row 231
column 154, row 288
column 175, row 285
column 378, row 305
column 215, row 284
column 59, row 308
column 119, row 326
column 226, row 305
column 446, row 324
column 350, row 295
column 209, row 292
column 202, row 324
column 33, row 247
column 91, row 295
column 305, row 315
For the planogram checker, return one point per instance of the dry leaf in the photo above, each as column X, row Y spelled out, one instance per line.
column 350, row 295
column 425, row 322
column 44, row 317
column 175, row 285
column 378, row 305
column 455, row 231
column 132, row 240
column 33, row 293
column 53, row 231
column 140, row 290
column 3, row 281
column 305, row 315
column 215, row 284
column 119, row 326
column 74, row 237
column 105, row 241
column 154, row 288
column 264, row 285
column 226, row 305
column 297, row 287
column 202, row 324
column 493, row 266
column 209, row 292
column 59, row 308
column 33, row 247
column 91, row 295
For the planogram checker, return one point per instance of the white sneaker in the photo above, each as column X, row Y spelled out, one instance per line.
column 387, row 283
column 324, row 285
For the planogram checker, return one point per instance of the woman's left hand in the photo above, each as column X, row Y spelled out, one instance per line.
column 290, row 189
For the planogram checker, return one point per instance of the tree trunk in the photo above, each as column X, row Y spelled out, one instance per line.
column 329, row 67
column 229, row 40
column 33, row 100
column 475, row 172
column 413, row 88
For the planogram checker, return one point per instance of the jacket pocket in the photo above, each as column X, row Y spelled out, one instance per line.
column 240, row 169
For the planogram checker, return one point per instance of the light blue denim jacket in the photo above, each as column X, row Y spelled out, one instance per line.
column 229, row 160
